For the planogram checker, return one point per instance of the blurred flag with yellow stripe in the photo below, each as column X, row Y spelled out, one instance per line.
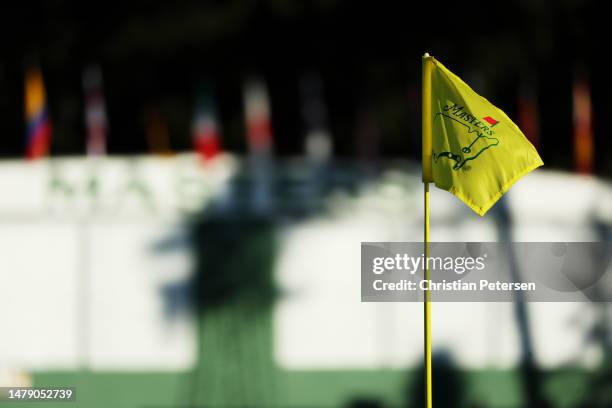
column 38, row 123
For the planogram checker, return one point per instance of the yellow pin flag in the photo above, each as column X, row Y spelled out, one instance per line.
column 477, row 153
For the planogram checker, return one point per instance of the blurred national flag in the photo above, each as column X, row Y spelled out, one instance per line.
column 205, row 128
column 258, row 121
column 95, row 111
column 38, row 123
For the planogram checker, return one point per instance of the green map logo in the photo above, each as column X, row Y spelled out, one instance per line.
column 481, row 131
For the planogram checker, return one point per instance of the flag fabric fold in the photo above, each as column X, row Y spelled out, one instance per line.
column 478, row 153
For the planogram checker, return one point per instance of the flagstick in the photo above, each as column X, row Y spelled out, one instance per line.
column 427, row 178
column 427, row 305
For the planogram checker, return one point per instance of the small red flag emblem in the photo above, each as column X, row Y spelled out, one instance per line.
column 490, row 121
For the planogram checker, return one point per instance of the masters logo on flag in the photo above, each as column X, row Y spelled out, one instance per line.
column 477, row 151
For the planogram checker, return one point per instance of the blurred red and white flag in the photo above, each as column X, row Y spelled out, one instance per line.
column 259, row 139
column 206, row 129
column 95, row 111
column 257, row 111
